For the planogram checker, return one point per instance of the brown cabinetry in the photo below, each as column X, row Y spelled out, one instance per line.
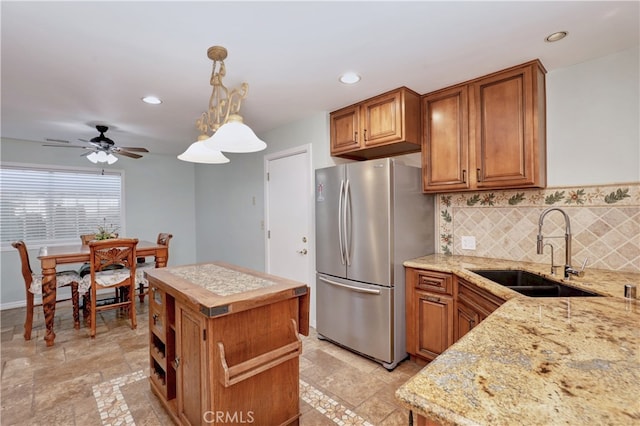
column 486, row 133
column 429, row 304
column 473, row 305
column 225, row 344
column 388, row 124
column 441, row 308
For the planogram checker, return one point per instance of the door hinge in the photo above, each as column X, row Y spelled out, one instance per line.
column 204, row 334
column 268, row 176
column 269, row 234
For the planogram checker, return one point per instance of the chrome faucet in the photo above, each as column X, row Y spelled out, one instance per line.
column 568, row 269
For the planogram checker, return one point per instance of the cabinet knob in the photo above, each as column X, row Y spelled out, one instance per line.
column 176, row 363
column 355, row 136
column 478, row 175
column 155, row 319
column 365, row 134
column 464, row 176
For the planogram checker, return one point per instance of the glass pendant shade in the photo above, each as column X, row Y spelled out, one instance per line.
column 198, row 152
column 102, row 157
column 93, row 157
column 235, row 136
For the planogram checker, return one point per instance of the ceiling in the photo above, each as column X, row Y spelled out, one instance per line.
column 67, row 66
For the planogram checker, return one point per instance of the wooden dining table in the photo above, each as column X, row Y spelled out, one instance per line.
column 52, row 256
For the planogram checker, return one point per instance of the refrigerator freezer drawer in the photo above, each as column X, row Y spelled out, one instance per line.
column 356, row 315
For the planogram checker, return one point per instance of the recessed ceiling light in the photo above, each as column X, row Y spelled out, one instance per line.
column 349, row 78
column 556, row 36
column 152, row 100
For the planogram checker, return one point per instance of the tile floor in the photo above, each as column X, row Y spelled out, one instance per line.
column 81, row 381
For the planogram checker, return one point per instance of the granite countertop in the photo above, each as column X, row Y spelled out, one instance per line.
column 536, row 361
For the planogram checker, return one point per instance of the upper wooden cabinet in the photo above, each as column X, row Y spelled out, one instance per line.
column 388, row 124
column 487, row 133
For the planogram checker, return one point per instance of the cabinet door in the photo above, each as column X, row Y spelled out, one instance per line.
column 382, row 119
column 192, row 367
column 466, row 319
column 344, row 128
column 435, row 324
column 504, row 116
column 445, row 153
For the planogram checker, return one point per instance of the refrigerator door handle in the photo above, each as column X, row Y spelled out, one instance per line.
column 347, row 202
column 340, row 237
column 350, row 287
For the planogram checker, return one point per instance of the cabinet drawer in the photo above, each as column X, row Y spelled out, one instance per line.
column 435, row 282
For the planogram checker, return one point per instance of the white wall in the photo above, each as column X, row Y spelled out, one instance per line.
column 593, row 121
column 229, row 223
column 159, row 197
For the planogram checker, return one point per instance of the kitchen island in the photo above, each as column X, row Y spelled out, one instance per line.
column 535, row 360
column 225, row 345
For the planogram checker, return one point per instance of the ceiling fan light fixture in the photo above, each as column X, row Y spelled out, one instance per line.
column 111, row 158
column 101, row 156
column 93, row 157
column 222, row 119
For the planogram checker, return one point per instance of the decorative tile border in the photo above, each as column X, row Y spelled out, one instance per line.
column 113, row 409
column 333, row 410
column 480, row 212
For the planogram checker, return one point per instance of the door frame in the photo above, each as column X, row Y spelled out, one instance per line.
column 302, row 149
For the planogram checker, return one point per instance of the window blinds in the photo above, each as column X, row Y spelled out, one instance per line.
column 47, row 205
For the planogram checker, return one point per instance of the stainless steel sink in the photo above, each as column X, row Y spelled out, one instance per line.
column 532, row 285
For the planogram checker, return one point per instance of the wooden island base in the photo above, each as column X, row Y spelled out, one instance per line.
column 225, row 345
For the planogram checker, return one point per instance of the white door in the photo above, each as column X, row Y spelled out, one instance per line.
column 288, row 196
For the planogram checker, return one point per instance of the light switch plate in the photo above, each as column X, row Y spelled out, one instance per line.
column 468, row 243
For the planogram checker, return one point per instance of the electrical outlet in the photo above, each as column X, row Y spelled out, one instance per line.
column 468, row 243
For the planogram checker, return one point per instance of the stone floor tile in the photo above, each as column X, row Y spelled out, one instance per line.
column 57, row 385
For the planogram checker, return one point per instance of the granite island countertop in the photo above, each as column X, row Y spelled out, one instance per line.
column 536, row 361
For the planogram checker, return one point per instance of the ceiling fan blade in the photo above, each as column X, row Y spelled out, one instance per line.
column 68, row 146
column 129, row 154
column 57, row 140
column 133, row 149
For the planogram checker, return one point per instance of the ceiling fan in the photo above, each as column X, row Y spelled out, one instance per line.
column 101, row 148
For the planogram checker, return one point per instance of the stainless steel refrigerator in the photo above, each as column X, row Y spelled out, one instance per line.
column 371, row 216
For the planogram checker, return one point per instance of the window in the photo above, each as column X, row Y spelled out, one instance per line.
column 44, row 205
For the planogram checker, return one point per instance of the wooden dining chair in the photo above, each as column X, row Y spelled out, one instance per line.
column 104, row 254
column 86, row 238
column 143, row 284
column 33, row 286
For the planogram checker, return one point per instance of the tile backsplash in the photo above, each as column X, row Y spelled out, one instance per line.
column 605, row 224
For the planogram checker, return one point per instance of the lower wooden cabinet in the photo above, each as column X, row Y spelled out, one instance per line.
column 429, row 305
column 441, row 308
column 191, row 365
column 473, row 305
column 434, row 326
